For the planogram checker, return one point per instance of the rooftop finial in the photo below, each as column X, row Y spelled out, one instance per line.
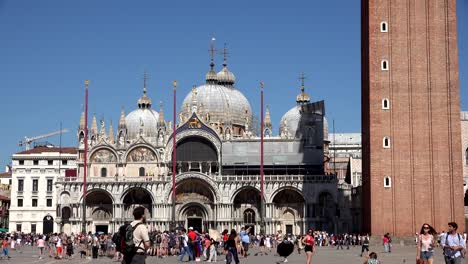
column 145, row 77
column 302, row 78
column 212, row 52
column 303, row 97
column 225, row 54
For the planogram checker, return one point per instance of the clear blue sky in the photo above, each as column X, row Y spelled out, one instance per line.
column 48, row 49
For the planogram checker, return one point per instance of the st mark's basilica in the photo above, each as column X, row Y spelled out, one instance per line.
column 218, row 167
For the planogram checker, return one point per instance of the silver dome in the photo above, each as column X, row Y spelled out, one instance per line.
column 145, row 119
column 223, row 104
column 290, row 122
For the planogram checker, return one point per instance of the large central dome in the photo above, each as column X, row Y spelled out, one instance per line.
column 220, row 104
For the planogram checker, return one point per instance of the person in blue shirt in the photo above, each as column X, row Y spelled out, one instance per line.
column 453, row 245
column 245, row 239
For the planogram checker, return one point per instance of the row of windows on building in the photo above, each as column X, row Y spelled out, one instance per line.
column 35, row 185
column 33, row 228
column 141, row 172
column 49, row 162
column 34, row 202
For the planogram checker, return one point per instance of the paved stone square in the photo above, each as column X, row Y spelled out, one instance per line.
column 323, row 255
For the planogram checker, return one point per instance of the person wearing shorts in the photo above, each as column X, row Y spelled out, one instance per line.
column 309, row 243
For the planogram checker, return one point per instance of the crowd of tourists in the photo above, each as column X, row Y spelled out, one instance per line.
column 133, row 243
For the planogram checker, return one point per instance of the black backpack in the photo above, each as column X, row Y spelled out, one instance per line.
column 127, row 246
column 116, row 239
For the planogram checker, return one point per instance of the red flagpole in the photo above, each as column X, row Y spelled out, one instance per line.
column 85, row 157
column 174, row 156
column 261, row 142
column 262, row 176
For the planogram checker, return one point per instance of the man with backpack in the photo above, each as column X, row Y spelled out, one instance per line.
column 134, row 238
column 453, row 245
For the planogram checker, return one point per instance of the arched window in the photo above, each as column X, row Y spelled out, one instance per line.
column 387, row 182
column 249, row 216
column 383, row 27
column 103, row 172
column 386, row 142
column 466, row 157
column 384, row 65
column 141, row 171
column 385, row 104
column 466, row 198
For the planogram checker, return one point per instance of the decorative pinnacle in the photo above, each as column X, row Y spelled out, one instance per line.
column 262, row 85
column 212, row 52
column 225, row 55
column 145, row 77
column 302, row 78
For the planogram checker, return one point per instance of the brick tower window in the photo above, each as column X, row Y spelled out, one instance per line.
column 384, row 27
column 384, row 65
column 466, row 157
column 387, row 182
column 385, row 104
column 386, row 142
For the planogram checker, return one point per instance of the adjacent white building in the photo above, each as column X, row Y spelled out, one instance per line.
column 33, row 199
column 346, row 157
column 464, row 137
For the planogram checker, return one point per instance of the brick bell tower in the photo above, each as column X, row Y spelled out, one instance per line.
column 412, row 168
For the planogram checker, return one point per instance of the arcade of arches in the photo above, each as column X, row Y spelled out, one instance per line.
column 198, row 205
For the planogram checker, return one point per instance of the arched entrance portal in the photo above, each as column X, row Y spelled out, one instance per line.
column 246, row 204
column 137, row 197
column 288, row 211
column 48, row 224
column 195, row 198
column 196, row 216
column 99, row 207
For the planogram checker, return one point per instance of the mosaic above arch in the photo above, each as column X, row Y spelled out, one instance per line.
column 141, row 154
column 102, row 156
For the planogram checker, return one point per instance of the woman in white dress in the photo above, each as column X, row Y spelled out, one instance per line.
column 268, row 243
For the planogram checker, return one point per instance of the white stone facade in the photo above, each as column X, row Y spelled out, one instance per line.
column 34, row 192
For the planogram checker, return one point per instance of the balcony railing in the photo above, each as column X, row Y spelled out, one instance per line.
column 234, row 178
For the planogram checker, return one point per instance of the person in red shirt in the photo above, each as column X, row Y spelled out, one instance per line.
column 309, row 243
column 192, row 239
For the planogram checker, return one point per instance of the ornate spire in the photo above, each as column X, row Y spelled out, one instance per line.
column 211, row 75
column 161, row 122
column 82, row 121
column 303, row 97
column 267, row 120
column 94, row 129
column 122, row 119
column 144, row 102
column 103, row 128
column 111, row 133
